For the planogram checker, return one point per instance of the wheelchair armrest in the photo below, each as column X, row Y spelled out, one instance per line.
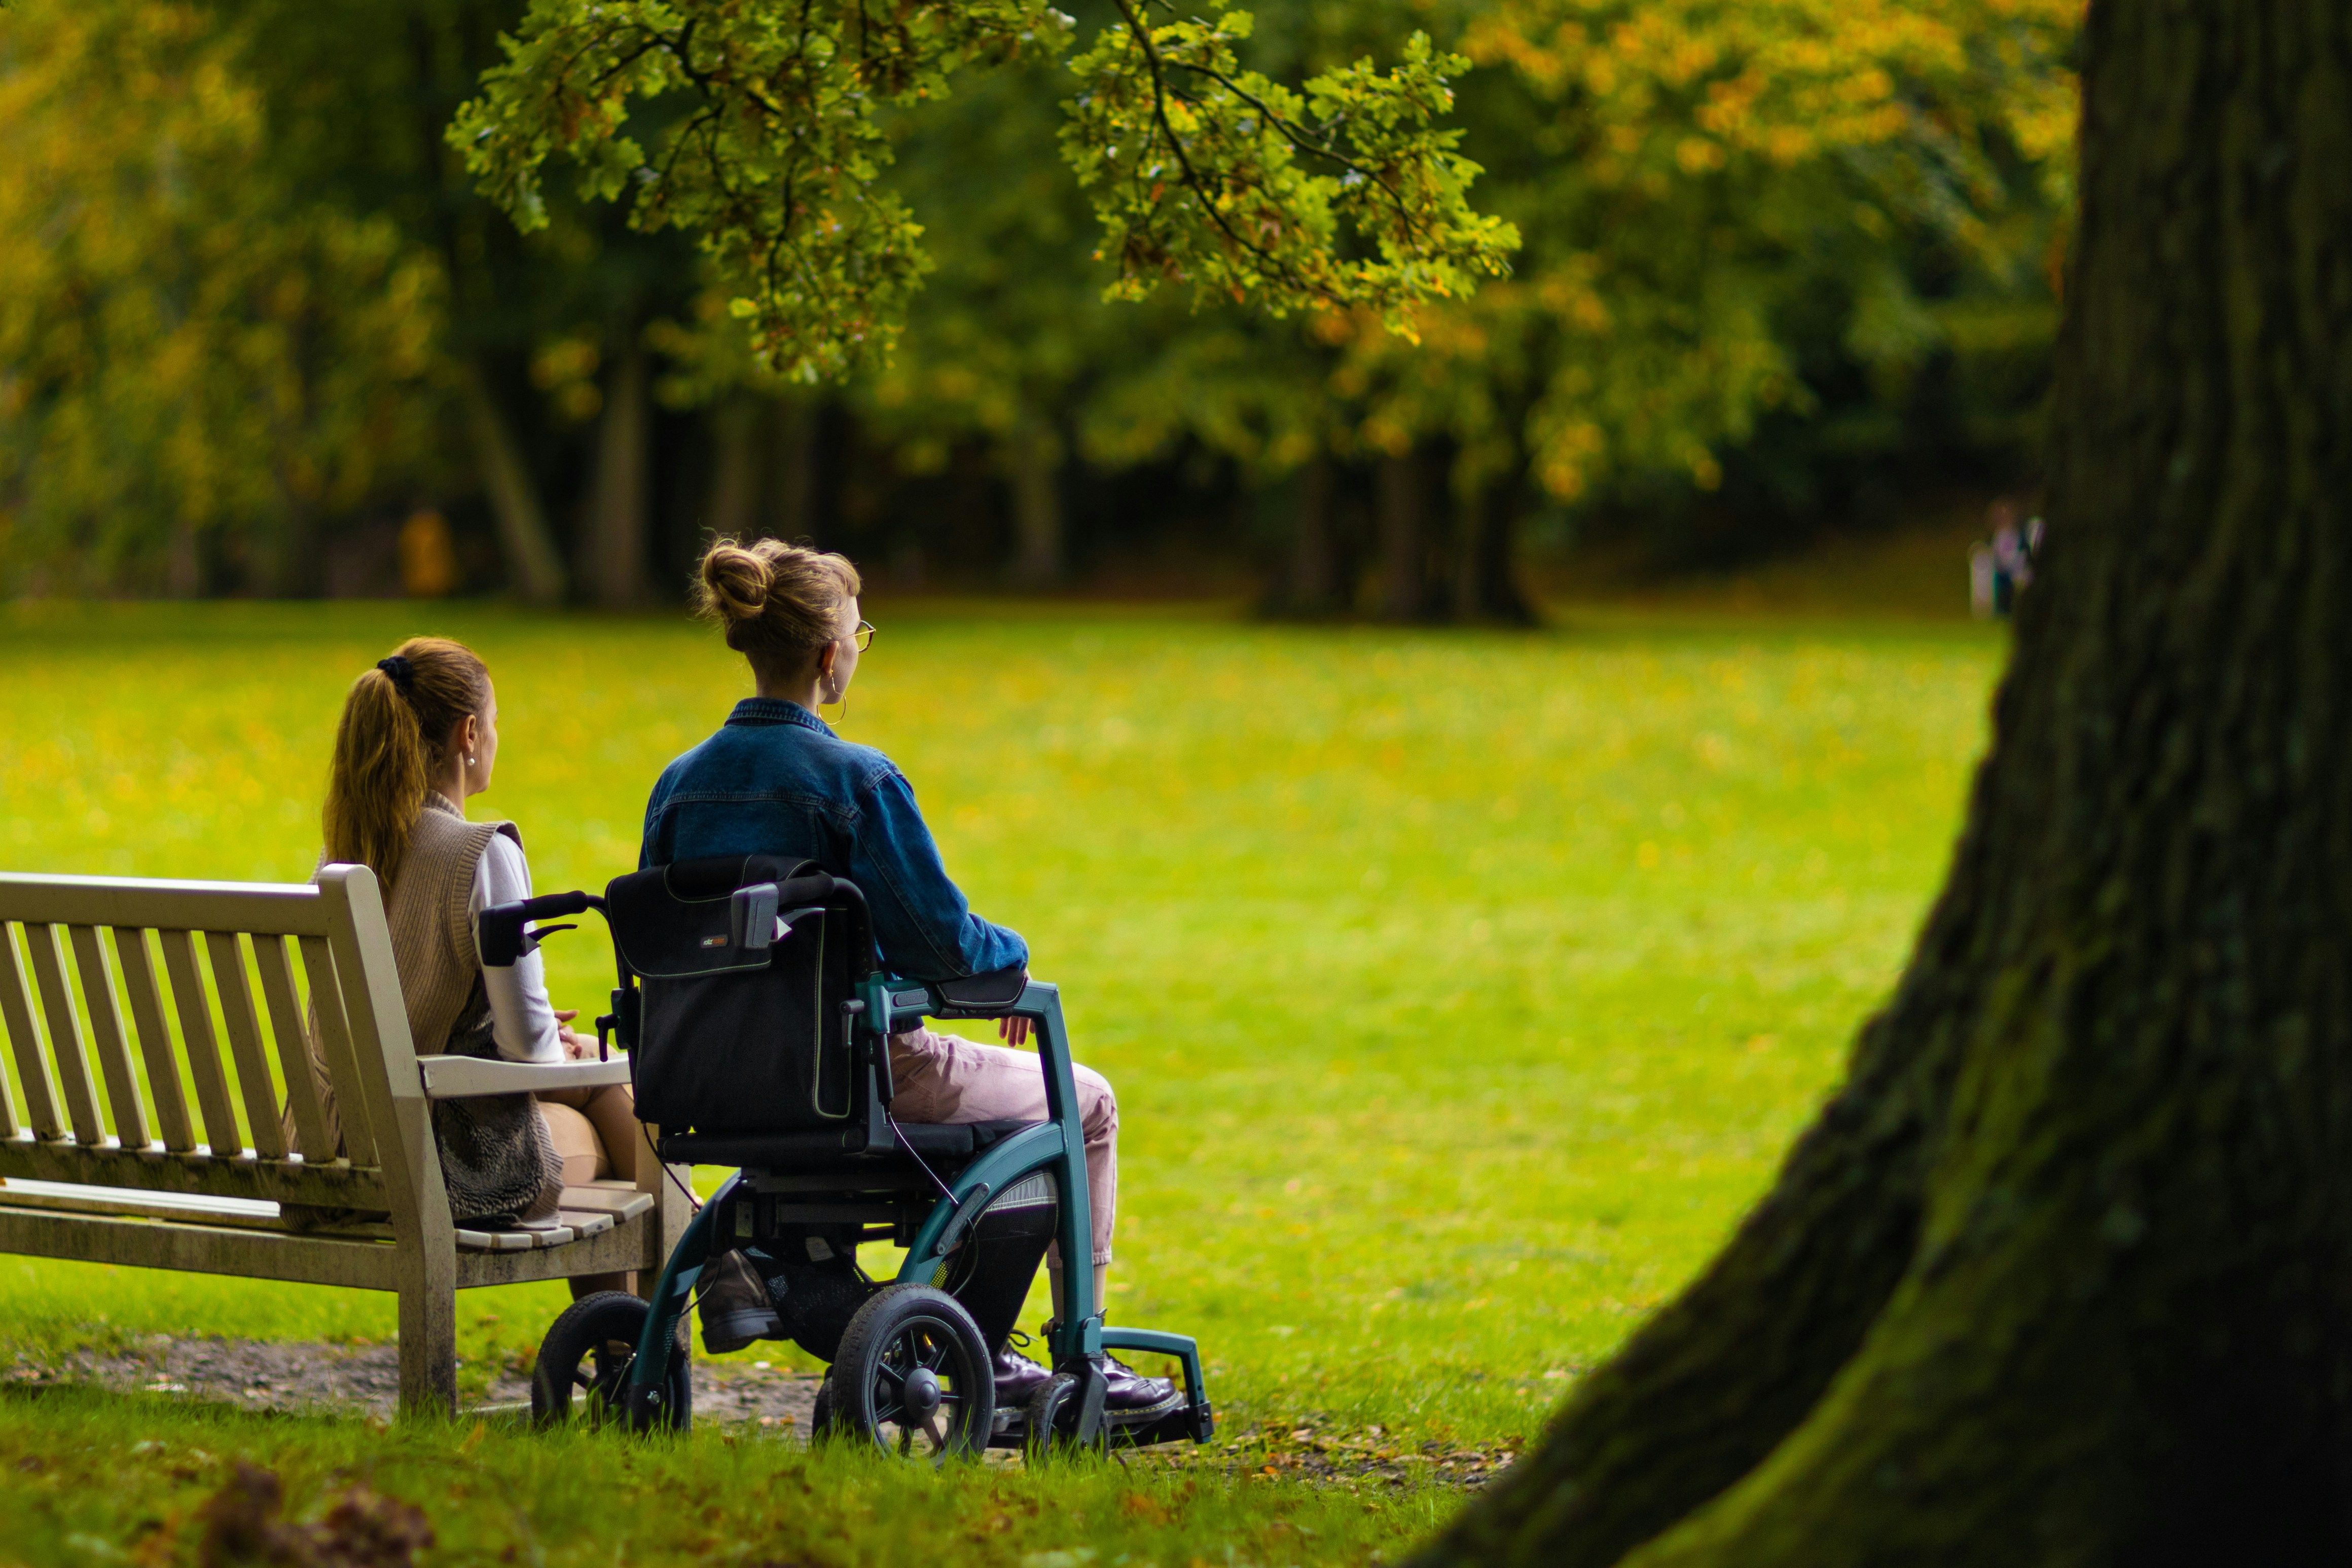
column 991, row 995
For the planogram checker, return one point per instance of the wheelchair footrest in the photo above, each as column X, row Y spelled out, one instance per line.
column 1186, row 1423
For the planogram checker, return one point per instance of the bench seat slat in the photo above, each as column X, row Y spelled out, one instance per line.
column 337, row 1186
column 349, row 1098
column 619, row 1198
column 25, row 1043
column 163, row 1090
column 293, row 1048
column 65, row 1034
column 204, row 1048
column 124, row 1104
column 236, row 993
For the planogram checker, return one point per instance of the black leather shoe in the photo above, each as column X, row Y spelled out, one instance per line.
column 1018, row 1377
column 735, row 1306
column 1135, row 1397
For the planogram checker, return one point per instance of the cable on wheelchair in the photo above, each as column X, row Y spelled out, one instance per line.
column 686, row 1191
column 953, row 1201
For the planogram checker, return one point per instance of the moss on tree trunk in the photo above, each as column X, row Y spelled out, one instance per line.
column 2063, row 1274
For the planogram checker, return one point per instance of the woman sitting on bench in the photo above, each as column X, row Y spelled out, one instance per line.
column 419, row 735
column 776, row 780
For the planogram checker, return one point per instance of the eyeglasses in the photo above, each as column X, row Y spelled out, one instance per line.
column 864, row 635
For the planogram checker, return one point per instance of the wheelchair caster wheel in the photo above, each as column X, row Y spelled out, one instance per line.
column 914, row 1376
column 1053, row 1412
column 583, row 1370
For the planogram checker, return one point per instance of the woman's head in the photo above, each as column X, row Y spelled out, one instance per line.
column 790, row 610
column 424, row 718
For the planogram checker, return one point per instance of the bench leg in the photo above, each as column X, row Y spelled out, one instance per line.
column 428, row 1337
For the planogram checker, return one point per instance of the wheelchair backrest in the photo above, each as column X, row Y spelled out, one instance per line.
column 730, row 1036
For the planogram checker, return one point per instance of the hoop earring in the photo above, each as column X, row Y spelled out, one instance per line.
column 840, row 704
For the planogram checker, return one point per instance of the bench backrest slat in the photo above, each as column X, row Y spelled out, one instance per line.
column 288, row 909
column 123, row 1106
column 65, row 1033
column 9, row 1126
column 163, row 1090
column 33, row 1075
column 293, row 1048
column 221, row 1133
column 235, row 994
column 335, row 1046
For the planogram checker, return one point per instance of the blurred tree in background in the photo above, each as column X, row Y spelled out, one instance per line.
column 1785, row 263
column 202, row 366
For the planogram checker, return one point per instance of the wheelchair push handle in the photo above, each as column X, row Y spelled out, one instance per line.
column 498, row 929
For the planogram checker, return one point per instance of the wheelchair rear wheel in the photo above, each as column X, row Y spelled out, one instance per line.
column 914, row 1376
column 583, row 1368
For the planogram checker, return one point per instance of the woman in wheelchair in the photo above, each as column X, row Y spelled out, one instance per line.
column 419, row 735
column 776, row 780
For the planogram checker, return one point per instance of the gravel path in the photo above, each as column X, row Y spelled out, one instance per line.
column 261, row 1375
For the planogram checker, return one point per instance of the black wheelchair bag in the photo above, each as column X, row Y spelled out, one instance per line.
column 728, row 1036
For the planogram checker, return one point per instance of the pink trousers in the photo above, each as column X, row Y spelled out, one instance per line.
column 944, row 1078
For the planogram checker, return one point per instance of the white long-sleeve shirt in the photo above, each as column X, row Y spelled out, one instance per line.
column 522, row 1020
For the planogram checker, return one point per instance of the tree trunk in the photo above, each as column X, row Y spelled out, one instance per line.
column 621, row 502
column 793, row 469
column 534, row 566
column 735, row 467
column 1402, row 509
column 1486, row 576
column 2063, row 1272
column 184, row 562
column 1035, row 453
column 1317, row 585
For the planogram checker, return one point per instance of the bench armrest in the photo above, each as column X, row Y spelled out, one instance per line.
column 463, row 1077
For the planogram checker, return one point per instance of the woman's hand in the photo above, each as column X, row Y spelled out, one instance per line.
column 1013, row 1031
column 577, row 1047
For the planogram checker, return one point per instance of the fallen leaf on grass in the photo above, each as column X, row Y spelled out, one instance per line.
column 364, row 1528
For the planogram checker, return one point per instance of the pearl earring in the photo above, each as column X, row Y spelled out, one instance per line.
column 469, row 760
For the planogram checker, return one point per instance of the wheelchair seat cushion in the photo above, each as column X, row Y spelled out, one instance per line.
column 938, row 1143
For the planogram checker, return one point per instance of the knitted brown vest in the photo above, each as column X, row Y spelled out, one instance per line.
column 432, row 938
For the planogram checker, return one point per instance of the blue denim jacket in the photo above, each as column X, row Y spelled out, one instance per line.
column 776, row 780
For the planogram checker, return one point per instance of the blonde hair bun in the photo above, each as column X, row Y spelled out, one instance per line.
column 779, row 604
column 735, row 582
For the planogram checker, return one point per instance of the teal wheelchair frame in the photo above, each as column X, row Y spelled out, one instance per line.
column 650, row 1388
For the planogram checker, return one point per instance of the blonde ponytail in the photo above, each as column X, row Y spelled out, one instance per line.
column 392, row 743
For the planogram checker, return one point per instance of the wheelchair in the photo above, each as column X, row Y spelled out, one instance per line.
column 757, row 1026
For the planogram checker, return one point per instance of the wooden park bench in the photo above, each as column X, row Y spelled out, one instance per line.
column 168, row 1151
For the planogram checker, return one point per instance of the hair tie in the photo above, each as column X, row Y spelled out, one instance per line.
column 402, row 673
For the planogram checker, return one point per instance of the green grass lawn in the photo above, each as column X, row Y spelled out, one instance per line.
column 1461, row 989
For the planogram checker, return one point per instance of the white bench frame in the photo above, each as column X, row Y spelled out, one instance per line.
column 147, row 1182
